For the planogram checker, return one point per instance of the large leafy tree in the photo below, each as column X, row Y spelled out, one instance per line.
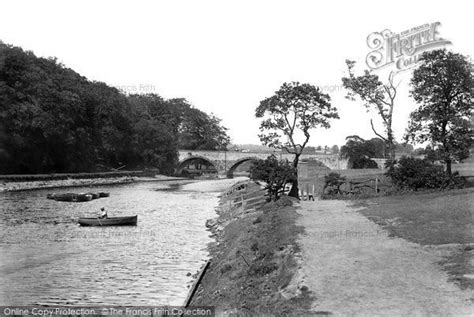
column 375, row 95
column 442, row 86
column 44, row 116
column 54, row 120
column 289, row 116
column 360, row 152
column 200, row 131
column 155, row 122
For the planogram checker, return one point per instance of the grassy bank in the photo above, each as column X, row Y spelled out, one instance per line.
column 253, row 261
column 441, row 220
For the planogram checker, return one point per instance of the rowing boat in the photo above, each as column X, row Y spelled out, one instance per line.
column 112, row 221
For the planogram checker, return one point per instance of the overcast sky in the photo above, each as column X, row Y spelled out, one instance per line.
column 226, row 56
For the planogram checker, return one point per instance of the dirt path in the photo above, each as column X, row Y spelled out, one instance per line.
column 353, row 268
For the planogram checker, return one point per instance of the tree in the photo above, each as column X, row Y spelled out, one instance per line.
column 413, row 173
column 379, row 148
column 442, row 86
column 276, row 174
column 156, row 126
column 403, row 149
column 52, row 119
column 288, row 117
column 200, row 131
column 335, row 149
column 428, row 153
column 360, row 152
column 374, row 94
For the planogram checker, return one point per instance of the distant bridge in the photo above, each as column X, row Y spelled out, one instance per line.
column 226, row 163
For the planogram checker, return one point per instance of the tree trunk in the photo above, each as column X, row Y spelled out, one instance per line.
column 447, row 157
column 448, row 167
column 294, row 189
column 391, row 146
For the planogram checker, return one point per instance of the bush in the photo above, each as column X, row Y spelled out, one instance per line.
column 364, row 162
column 333, row 182
column 275, row 173
column 413, row 173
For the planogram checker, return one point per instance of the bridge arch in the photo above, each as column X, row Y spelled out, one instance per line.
column 231, row 170
column 198, row 161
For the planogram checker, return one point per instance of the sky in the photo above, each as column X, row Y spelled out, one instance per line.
column 224, row 57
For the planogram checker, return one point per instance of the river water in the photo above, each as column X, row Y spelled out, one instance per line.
column 46, row 258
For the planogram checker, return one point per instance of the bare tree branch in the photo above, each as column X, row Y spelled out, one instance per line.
column 376, row 133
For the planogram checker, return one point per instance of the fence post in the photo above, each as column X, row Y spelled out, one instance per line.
column 376, row 185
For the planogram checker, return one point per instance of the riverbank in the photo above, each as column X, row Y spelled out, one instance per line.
column 330, row 258
column 215, row 185
column 252, row 261
column 8, row 186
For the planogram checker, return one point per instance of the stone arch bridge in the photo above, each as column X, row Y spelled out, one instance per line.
column 225, row 163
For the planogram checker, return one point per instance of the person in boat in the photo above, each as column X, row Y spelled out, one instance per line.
column 103, row 213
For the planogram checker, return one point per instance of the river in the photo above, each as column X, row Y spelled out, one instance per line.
column 47, row 259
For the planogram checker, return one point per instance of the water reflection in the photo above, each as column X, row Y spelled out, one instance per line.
column 46, row 258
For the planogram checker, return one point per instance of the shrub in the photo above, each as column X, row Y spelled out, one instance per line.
column 364, row 162
column 413, row 173
column 333, row 182
column 275, row 173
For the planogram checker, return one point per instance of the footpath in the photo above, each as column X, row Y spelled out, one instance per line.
column 353, row 268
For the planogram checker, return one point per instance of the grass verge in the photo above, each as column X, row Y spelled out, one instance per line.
column 438, row 219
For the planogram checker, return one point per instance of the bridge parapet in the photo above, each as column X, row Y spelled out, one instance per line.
column 226, row 162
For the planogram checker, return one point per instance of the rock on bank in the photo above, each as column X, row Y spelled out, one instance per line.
column 253, row 260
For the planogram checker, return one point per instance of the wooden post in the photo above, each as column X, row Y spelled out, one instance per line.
column 195, row 286
column 307, row 191
column 376, row 185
